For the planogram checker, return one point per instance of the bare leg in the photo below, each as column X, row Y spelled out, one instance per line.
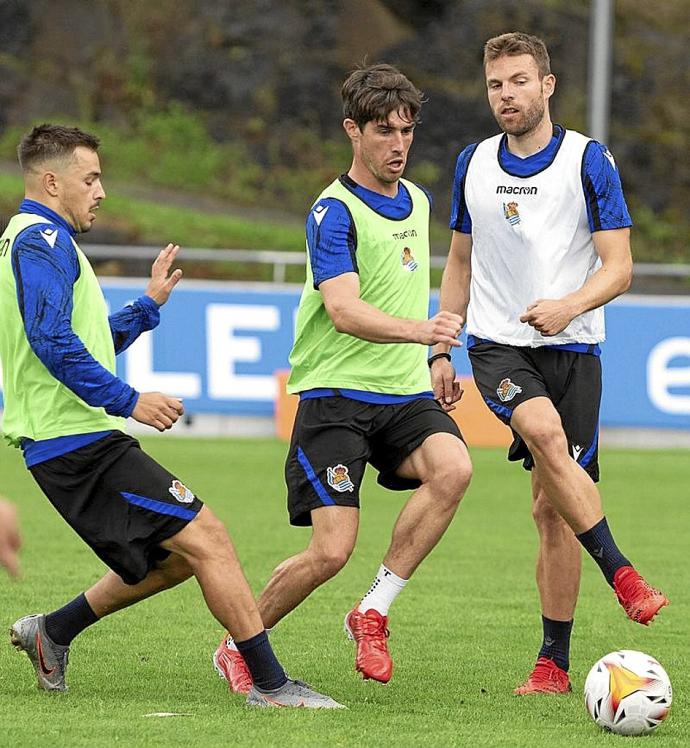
column 558, row 580
column 443, row 466
column 560, row 560
column 333, row 538
column 572, row 492
column 206, row 547
column 111, row 594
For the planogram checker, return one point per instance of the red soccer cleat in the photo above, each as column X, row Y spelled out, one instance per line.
column 640, row 601
column 369, row 631
column 231, row 667
column 546, row 677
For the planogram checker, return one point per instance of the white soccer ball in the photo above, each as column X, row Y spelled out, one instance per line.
column 628, row 693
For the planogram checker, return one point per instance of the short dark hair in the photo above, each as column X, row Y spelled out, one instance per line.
column 46, row 142
column 371, row 93
column 517, row 43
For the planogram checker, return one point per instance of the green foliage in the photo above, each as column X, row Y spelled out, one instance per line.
column 658, row 238
column 148, row 222
column 172, row 148
column 464, row 632
column 156, row 223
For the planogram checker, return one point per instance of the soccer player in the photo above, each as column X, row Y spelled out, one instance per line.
column 541, row 241
column 65, row 408
column 10, row 539
column 359, row 363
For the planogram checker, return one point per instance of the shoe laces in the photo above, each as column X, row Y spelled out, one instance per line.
column 631, row 586
column 372, row 628
column 545, row 669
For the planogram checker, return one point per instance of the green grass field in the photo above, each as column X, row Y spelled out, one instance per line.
column 464, row 632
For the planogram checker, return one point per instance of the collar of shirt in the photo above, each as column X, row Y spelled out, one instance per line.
column 531, row 165
column 390, row 207
column 36, row 208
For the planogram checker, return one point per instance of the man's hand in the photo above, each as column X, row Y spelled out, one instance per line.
column 549, row 316
column 160, row 286
column 157, row 410
column 10, row 540
column 444, row 327
column 447, row 390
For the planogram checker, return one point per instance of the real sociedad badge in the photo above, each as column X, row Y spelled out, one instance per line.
column 507, row 390
column 339, row 479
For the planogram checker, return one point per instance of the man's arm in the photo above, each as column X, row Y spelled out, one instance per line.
column 355, row 317
column 45, row 276
column 455, row 283
column 331, row 240
column 143, row 314
column 455, row 296
column 551, row 316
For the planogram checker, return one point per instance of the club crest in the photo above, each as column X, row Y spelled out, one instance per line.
column 510, row 211
column 181, row 492
column 339, row 479
column 408, row 261
column 507, row 390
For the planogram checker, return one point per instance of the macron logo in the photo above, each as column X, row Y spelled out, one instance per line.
column 577, row 449
column 50, row 235
column 609, row 156
column 319, row 213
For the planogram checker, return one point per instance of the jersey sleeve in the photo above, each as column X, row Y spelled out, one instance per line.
column 45, row 275
column 331, row 240
column 460, row 219
column 606, row 207
column 127, row 325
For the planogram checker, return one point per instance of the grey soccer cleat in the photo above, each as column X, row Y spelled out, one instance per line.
column 49, row 659
column 294, row 693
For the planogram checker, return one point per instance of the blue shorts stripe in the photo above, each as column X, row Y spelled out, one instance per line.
column 587, row 457
column 500, row 410
column 313, row 479
column 160, row 507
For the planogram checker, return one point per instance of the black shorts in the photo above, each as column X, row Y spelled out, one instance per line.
column 334, row 438
column 119, row 500
column 509, row 375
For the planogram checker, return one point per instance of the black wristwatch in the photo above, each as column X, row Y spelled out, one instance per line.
column 437, row 356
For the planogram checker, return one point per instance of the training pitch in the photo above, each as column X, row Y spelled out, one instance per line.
column 464, row 632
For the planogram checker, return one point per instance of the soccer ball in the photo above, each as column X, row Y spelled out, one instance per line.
column 628, row 693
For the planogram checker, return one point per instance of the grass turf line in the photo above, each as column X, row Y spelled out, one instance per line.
column 464, row 632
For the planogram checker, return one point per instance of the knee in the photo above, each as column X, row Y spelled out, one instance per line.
column 546, row 439
column 450, row 481
column 328, row 561
column 204, row 536
column 549, row 522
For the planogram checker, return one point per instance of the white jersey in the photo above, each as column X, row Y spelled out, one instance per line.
column 530, row 240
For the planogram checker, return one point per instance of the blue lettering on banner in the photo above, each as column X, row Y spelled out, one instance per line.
column 219, row 344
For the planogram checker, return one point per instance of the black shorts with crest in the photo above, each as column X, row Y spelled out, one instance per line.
column 119, row 500
column 335, row 437
column 509, row 375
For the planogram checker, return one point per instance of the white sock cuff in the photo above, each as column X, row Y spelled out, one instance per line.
column 391, row 576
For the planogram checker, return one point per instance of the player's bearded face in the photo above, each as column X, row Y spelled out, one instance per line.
column 526, row 119
column 79, row 188
column 384, row 145
column 517, row 94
